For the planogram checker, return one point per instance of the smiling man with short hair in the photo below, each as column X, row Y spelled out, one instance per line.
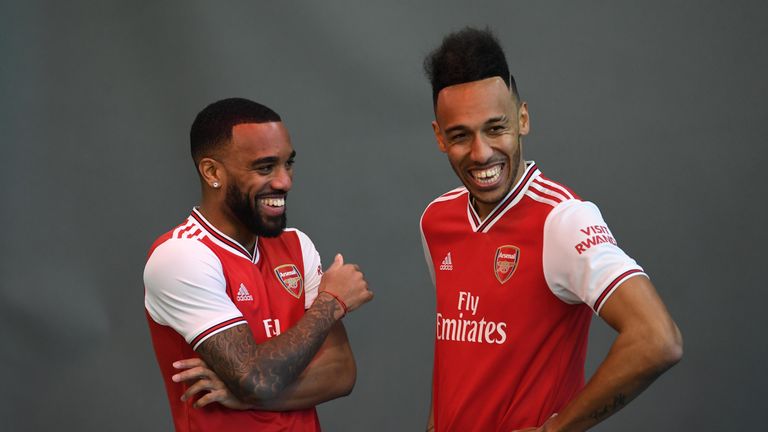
column 236, row 288
column 520, row 264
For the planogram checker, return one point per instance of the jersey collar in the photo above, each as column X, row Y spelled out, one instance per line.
column 224, row 240
column 513, row 197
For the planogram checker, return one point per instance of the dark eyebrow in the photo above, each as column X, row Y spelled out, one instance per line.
column 499, row 119
column 454, row 128
column 271, row 159
column 265, row 160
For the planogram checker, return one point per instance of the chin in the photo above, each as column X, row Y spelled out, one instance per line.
column 267, row 231
column 491, row 197
column 272, row 227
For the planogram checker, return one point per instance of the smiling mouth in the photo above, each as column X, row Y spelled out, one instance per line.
column 487, row 176
column 273, row 202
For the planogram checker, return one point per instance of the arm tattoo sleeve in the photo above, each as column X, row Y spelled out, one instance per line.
column 258, row 372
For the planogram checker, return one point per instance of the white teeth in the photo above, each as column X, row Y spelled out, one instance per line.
column 489, row 175
column 273, row 202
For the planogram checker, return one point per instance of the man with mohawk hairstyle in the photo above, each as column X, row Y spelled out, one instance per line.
column 232, row 286
column 520, row 263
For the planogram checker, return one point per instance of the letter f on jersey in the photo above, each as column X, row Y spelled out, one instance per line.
column 272, row 327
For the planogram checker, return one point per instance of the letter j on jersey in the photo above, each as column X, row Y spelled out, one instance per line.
column 505, row 262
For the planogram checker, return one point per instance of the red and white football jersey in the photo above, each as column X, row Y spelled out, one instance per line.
column 199, row 282
column 515, row 296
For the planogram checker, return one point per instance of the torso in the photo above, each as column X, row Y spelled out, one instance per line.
column 508, row 352
column 267, row 287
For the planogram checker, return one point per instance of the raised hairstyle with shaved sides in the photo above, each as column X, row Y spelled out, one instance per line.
column 212, row 127
column 465, row 56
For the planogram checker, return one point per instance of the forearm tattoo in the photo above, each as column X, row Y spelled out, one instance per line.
column 260, row 371
column 618, row 403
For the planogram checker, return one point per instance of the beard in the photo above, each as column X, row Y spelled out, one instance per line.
column 247, row 212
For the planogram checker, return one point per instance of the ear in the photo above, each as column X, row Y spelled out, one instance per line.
column 211, row 173
column 524, row 120
column 439, row 137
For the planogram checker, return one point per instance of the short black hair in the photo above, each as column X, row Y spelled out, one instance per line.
column 465, row 56
column 213, row 125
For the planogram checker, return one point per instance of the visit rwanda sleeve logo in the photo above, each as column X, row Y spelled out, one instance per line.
column 505, row 262
column 290, row 278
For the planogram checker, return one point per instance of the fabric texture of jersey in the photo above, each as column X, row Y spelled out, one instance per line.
column 515, row 295
column 199, row 282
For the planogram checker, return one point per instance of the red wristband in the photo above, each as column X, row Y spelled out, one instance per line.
column 343, row 305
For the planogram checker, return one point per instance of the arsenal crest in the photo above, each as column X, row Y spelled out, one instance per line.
column 290, row 278
column 505, row 262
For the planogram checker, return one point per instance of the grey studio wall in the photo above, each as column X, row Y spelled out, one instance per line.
column 654, row 110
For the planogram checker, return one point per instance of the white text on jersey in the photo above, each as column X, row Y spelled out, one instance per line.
column 272, row 327
column 468, row 302
column 470, row 330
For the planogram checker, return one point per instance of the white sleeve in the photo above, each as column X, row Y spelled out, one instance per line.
column 581, row 259
column 185, row 289
column 313, row 269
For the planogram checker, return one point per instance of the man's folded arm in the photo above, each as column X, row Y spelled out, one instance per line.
column 256, row 373
column 331, row 374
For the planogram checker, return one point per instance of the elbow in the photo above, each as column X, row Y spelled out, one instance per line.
column 344, row 389
column 251, row 390
column 669, row 349
column 263, row 393
column 675, row 348
column 348, row 383
column 347, row 376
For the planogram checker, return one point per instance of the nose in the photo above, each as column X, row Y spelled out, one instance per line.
column 282, row 180
column 480, row 151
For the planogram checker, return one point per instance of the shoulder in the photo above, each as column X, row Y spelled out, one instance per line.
column 175, row 257
column 450, row 195
column 297, row 233
column 185, row 230
column 293, row 237
column 305, row 244
column 179, row 248
column 445, row 201
column 550, row 192
column 574, row 212
column 577, row 227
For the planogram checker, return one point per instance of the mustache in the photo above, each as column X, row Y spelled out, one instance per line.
column 272, row 194
column 487, row 164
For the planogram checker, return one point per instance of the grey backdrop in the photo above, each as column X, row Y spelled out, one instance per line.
column 654, row 110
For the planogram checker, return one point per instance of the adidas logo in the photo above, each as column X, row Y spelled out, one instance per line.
column 447, row 263
column 243, row 294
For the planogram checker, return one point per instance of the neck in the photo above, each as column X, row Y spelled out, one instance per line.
column 484, row 209
column 228, row 224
